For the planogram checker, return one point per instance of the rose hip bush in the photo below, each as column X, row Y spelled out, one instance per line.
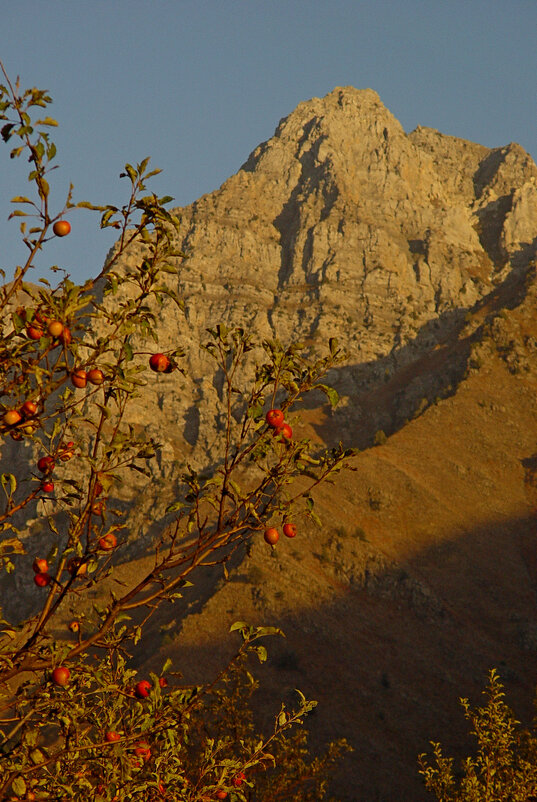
column 75, row 718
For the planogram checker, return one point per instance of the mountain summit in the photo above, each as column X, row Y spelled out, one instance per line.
column 343, row 224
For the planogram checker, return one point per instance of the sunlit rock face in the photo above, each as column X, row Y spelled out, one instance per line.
column 342, row 225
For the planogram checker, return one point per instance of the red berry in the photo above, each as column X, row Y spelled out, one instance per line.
column 163, row 682
column 29, row 409
column 271, row 536
column 47, row 487
column 285, row 431
column 108, row 542
column 74, row 626
column 42, row 580
column 61, row 675
column 239, row 779
column 34, row 332
column 111, row 736
column 40, row 565
column 66, row 336
column 61, row 228
column 143, row 750
column 289, row 530
column 159, row 363
column 142, row 688
column 274, row 418
column 221, row 794
column 45, row 464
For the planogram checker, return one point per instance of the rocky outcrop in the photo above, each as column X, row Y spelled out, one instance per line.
column 343, row 225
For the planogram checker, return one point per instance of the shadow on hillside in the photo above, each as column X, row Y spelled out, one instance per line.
column 389, row 653
column 386, row 393
column 382, row 399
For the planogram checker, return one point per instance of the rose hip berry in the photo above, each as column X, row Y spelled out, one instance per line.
column 274, row 418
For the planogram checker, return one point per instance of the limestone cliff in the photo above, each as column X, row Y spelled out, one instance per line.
column 343, row 225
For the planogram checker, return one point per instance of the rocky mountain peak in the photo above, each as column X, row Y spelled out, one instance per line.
column 343, row 225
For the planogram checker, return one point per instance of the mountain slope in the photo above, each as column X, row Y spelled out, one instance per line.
column 423, row 576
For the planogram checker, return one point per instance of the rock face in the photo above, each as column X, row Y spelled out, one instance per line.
column 343, row 225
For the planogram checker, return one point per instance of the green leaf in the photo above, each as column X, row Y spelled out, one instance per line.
column 8, row 479
column 20, row 199
column 262, row 632
column 88, row 205
column 330, row 393
column 238, row 625
column 261, row 653
column 43, row 188
column 18, row 786
column 131, row 172
column 5, row 132
column 47, row 121
column 167, row 665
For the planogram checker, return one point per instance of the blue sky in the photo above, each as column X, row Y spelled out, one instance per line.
column 197, row 84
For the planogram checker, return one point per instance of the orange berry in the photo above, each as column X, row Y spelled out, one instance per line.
column 12, row 417
column 95, row 376
column 61, row 228
column 271, row 536
column 79, row 378
column 55, row 328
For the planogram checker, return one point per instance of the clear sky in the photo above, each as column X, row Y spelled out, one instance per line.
column 197, row 84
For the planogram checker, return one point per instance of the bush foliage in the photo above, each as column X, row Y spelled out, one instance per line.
column 504, row 767
column 75, row 719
